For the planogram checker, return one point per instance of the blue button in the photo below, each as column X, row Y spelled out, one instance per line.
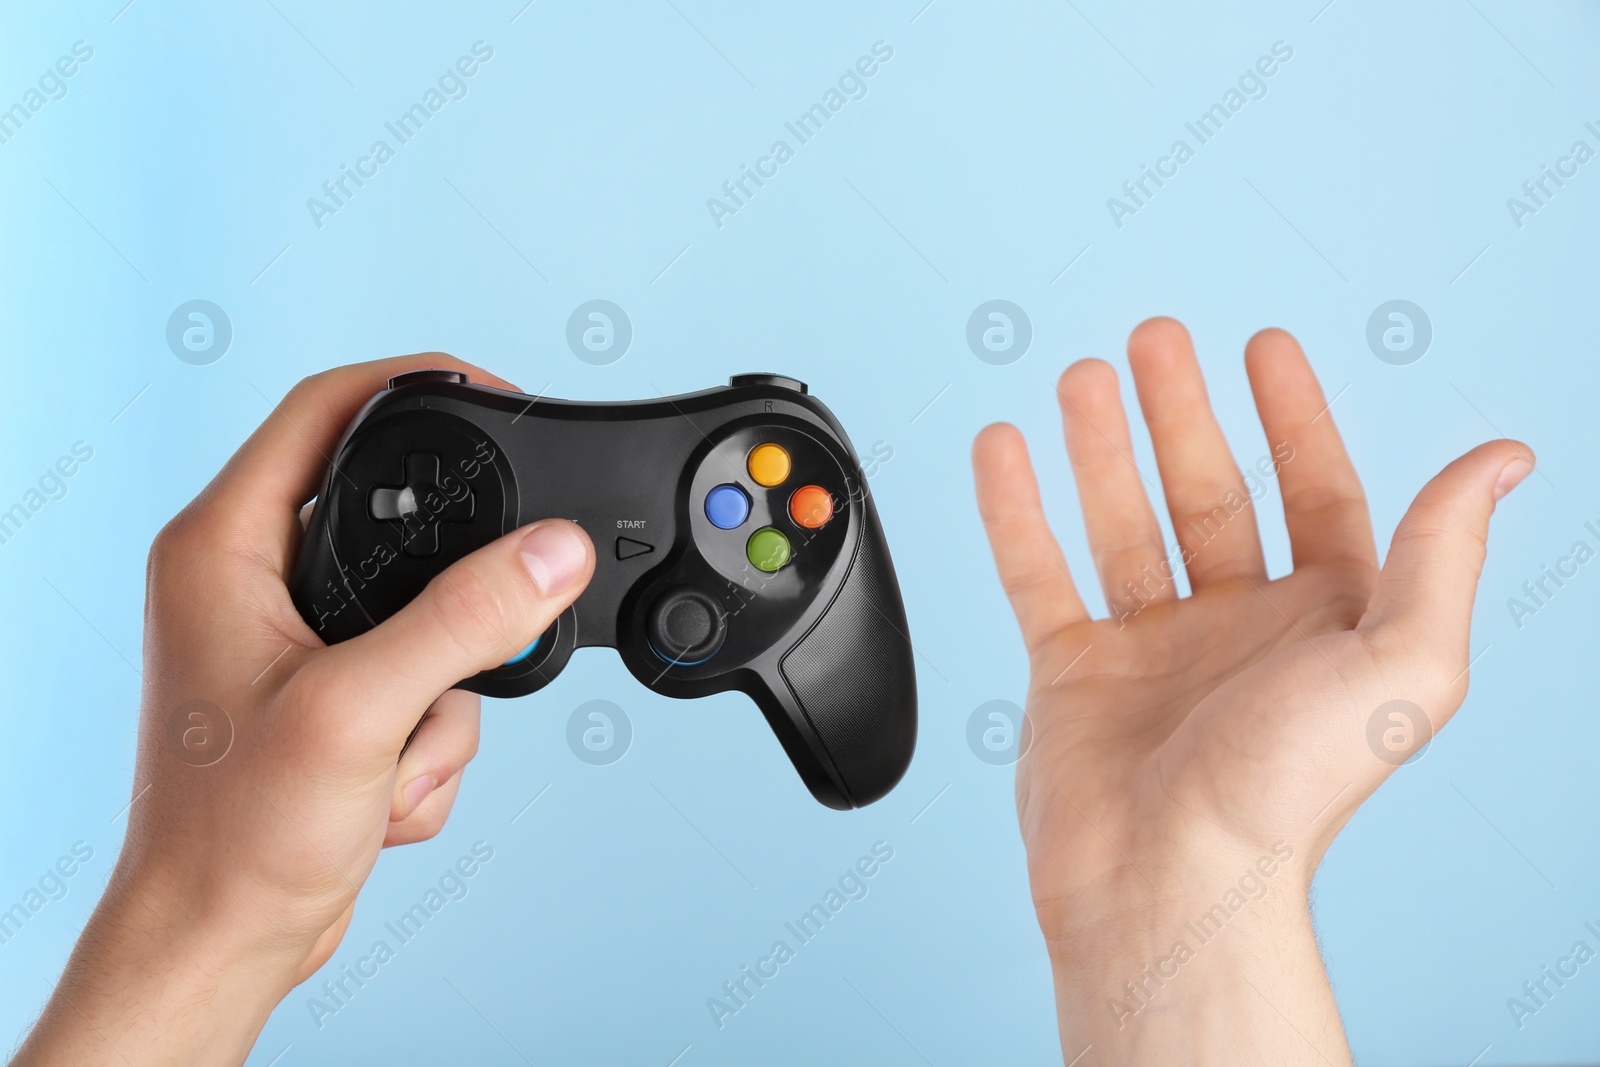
column 525, row 653
column 727, row 506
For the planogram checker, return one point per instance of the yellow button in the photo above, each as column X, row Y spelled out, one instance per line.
column 769, row 464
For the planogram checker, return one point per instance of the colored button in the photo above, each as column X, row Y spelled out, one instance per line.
column 811, row 506
column 525, row 653
column 727, row 506
column 769, row 464
column 767, row 549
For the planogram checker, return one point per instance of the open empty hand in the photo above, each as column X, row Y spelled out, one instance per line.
column 1193, row 757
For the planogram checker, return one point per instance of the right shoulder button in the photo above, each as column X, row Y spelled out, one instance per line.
column 779, row 380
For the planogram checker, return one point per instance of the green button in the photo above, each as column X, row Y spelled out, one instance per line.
column 767, row 549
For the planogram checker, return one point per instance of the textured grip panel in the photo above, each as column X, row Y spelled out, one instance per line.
column 853, row 676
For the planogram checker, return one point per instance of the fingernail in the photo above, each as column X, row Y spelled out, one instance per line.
column 1511, row 476
column 417, row 790
column 553, row 554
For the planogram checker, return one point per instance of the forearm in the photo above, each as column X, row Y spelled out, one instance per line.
column 1193, row 982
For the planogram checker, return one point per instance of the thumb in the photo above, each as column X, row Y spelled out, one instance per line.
column 1430, row 578
column 478, row 613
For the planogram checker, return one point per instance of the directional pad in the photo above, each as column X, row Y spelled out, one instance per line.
column 421, row 503
column 393, row 505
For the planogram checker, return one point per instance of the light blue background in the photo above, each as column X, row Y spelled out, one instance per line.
column 977, row 167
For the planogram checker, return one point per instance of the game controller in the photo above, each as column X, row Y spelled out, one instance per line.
column 738, row 549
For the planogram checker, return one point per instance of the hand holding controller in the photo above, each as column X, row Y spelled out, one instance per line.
column 738, row 549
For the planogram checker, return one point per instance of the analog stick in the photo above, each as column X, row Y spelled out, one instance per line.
column 686, row 626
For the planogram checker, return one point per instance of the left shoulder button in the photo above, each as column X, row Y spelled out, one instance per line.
column 432, row 374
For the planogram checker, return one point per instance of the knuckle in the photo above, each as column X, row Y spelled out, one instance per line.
column 426, row 822
column 303, row 393
column 179, row 548
column 1457, row 550
column 328, row 727
column 1421, row 661
column 316, row 693
column 313, row 398
column 1021, row 583
column 314, row 384
column 178, row 532
column 1322, row 502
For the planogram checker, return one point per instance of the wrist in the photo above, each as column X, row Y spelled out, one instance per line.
column 1152, row 903
column 151, row 983
column 1214, row 958
column 1121, row 958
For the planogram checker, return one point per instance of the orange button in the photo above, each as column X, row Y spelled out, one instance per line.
column 769, row 464
column 811, row 506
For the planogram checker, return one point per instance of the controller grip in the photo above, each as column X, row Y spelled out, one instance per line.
column 320, row 592
column 849, row 687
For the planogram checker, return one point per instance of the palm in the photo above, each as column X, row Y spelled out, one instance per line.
column 1195, row 713
column 1236, row 716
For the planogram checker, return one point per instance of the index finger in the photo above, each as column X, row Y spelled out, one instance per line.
column 281, row 465
column 1323, row 503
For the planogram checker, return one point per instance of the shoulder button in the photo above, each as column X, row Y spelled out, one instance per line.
column 432, row 374
column 779, row 380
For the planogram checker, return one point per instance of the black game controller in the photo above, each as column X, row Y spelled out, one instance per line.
column 738, row 549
